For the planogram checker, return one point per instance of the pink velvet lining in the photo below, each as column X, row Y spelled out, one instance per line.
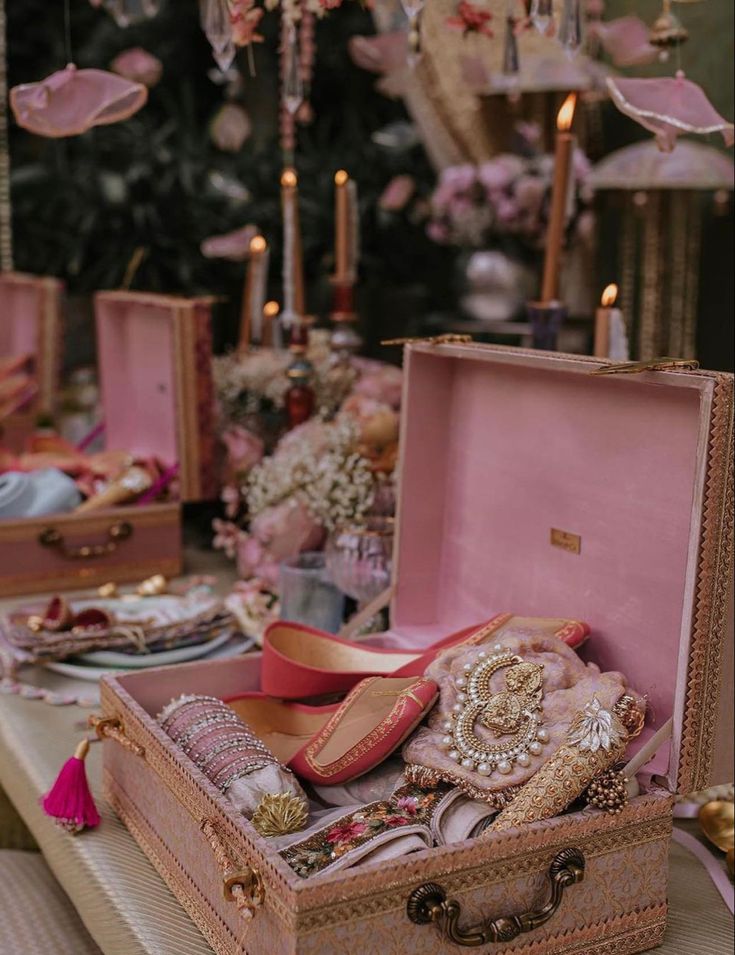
column 135, row 344
column 496, row 454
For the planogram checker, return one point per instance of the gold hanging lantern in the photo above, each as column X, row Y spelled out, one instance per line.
column 667, row 30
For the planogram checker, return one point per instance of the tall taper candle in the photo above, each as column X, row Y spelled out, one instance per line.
column 557, row 217
column 293, row 269
column 251, row 313
column 342, row 225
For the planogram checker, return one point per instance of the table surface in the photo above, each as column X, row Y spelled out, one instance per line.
column 123, row 902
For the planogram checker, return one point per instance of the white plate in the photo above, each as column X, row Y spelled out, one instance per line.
column 80, row 671
column 156, row 658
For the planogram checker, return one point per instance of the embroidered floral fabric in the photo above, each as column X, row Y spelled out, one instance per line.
column 413, row 818
column 350, row 837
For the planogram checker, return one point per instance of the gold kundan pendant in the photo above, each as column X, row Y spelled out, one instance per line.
column 513, row 712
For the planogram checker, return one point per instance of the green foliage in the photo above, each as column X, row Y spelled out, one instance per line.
column 83, row 205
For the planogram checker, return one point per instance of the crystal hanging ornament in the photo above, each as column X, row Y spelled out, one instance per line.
column 293, row 84
column 127, row 12
column 542, row 14
column 215, row 19
column 570, row 25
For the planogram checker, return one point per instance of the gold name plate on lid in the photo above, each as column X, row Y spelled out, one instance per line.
column 566, row 540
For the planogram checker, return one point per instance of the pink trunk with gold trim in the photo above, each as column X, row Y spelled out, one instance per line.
column 500, row 447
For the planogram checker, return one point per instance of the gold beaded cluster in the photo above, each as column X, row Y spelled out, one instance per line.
column 513, row 712
column 608, row 792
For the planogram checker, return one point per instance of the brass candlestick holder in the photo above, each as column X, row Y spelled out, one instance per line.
column 345, row 340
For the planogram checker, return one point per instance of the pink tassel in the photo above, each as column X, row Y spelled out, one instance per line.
column 69, row 800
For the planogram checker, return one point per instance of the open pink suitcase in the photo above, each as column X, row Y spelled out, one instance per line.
column 527, row 485
column 154, row 354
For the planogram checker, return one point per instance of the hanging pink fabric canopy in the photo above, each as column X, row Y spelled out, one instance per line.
column 72, row 101
column 625, row 40
column 669, row 106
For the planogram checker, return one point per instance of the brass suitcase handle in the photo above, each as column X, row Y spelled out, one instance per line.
column 428, row 903
column 117, row 533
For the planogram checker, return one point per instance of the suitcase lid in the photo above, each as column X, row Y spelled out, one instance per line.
column 531, row 486
column 154, row 354
column 30, row 324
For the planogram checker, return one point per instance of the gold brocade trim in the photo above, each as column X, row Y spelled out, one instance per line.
column 475, row 877
column 492, row 626
column 714, row 574
column 423, row 776
column 366, row 745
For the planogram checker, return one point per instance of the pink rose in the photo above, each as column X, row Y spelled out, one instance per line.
column 397, row 193
column 459, row 177
column 244, row 449
column 138, row 66
column 384, row 386
column 286, row 529
column 497, row 174
column 230, row 128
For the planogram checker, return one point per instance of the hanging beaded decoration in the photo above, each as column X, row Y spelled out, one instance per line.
column 514, row 712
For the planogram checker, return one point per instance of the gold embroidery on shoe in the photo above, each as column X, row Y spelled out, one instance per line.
column 365, row 745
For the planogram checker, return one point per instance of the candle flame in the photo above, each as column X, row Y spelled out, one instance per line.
column 565, row 115
column 289, row 177
column 340, row 178
column 609, row 295
column 271, row 309
column 258, row 244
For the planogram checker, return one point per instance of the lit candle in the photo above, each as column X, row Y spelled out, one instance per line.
column 558, row 215
column 271, row 329
column 251, row 315
column 343, row 267
column 293, row 271
column 611, row 340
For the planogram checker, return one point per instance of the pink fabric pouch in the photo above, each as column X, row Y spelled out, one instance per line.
column 533, row 687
